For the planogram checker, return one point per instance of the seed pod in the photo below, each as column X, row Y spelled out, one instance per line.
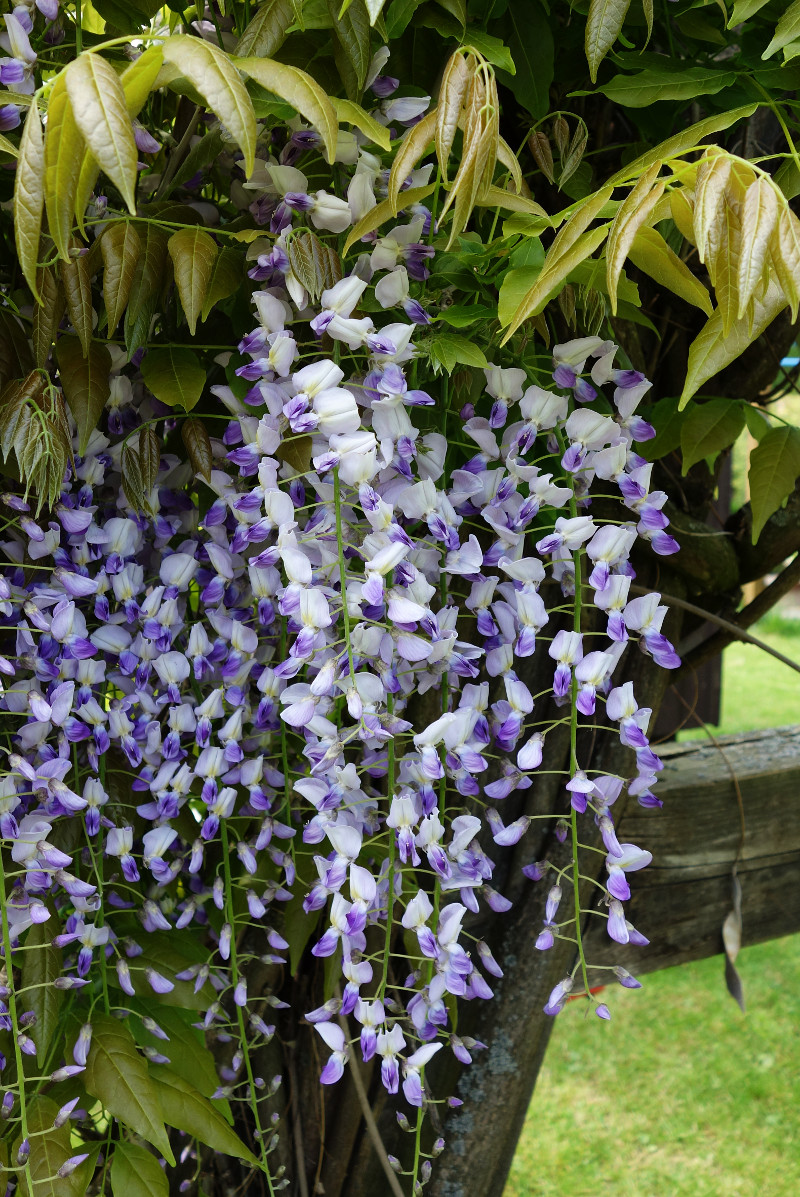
column 539, row 146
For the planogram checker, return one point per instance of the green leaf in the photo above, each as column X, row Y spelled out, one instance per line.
column 50, row 1148
column 41, row 965
column 267, row 31
column 528, row 34
column 708, row 429
column 188, row 1055
column 211, row 71
column 787, row 30
column 8, row 147
column 399, row 16
column 349, row 113
column 121, row 247
column 743, row 10
column 77, row 284
column 456, row 8
column 711, row 350
column 63, row 154
column 383, row 212
column 774, row 469
column 117, row 1076
column 193, row 253
column 448, row 350
column 492, row 48
column 667, row 419
column 681, row 143
column 101, row 114
column 757, row 423
column 227, row 276
column 127, row 15
column 135, row 1172
column 138, row 79
column 146, row 285
column 462, row 315
column 651, row 254
column 47, row 313
column 187, row 1110
column 175, row 376
column 351, row 35
column 648, row 87
column 603, row 27
column 298, row 89
column 554, row 274
column 515, row 286
column 29, row 196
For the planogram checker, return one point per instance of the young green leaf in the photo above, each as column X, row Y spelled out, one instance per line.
column 187, row 1110
column 149, row 456
column 713, row 175
column 138, row 79
column 146, row 286
column 350, row 113
column 85, row 379
column 101, row 114
column 121, row 247
column 774, row 469
column 117, row 1076
column 743, row 10
column 603, row 27
column 757, row 423
column 681, row 143
column 299, row 90
column 554, row 273
column 760, row 212
column 515, row 286
column 63, row 155
column 712, row 350
column 47, row 313
column 449, row 351
column 631, row 215
column 29, row 196
column 132, row 481
column 785, row 257
column 457, row 78
column 407, row 155
column 267, row 31
column 382, row 212
column 351, row 37
column 42, row 963
column 135, row 1172
column 527, row 31
column 175, row 376
column 193, row 253
column 212, row 72
column 651, row 254
column 77, row 284
column 709, row 428
column 226, row 278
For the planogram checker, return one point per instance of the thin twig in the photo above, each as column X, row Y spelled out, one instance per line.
column 786, row 580
column 736, row 632
column 371, row 1124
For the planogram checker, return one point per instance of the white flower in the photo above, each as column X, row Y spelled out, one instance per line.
column 392, row 289
column 330, row 212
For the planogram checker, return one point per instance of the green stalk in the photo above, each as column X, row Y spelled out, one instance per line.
column 337, row 502
column 229, row 914
column 12, row 1013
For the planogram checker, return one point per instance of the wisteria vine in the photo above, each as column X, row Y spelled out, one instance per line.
column 300, row 674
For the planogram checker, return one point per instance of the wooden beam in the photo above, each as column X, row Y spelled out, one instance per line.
column 680, row 901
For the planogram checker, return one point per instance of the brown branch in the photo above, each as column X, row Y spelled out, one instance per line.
column 369, row 1119
column 731, row 630
column 734, row 631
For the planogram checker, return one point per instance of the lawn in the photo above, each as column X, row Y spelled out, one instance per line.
column 682, row 1095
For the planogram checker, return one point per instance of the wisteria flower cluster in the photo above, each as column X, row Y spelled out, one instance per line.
column 300, row 677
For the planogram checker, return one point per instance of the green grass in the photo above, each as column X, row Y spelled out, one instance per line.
column 757, row 690
column 680, row 1095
